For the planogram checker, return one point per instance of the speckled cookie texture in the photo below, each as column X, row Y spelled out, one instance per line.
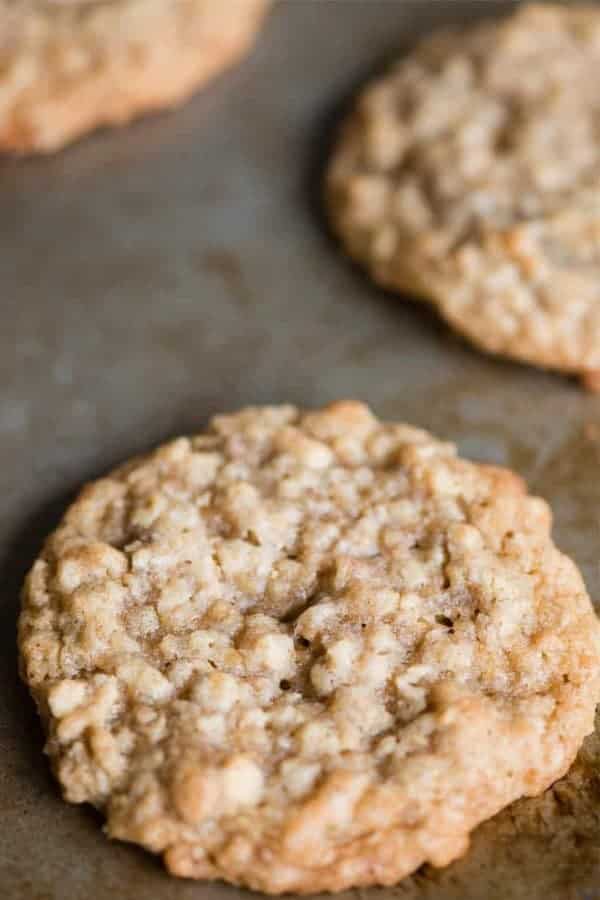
column 469, row 174
column 303, row 652
column 68, row 67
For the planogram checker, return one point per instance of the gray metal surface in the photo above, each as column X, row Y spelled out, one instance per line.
column 153, row 276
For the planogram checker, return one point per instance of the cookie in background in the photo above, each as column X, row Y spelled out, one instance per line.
column 469, row 175
column 67, row 68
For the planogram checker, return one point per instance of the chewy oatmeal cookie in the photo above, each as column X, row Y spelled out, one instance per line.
column 469, row 175
column 69, row 66
column 303, row 652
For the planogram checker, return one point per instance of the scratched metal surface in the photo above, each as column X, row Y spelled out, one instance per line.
column 151, row 277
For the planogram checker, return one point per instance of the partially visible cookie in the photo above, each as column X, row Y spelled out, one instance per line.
column 305, row 652
column 469, row 175
column 67, row 67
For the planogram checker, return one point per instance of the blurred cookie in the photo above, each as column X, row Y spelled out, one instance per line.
column 469, row 174
column 69, row 67
column 305, row 652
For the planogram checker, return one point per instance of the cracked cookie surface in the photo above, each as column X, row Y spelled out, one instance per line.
column 68, row 67
column 469, row 174
column 307, row 651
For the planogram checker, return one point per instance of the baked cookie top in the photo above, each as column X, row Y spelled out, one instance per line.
column 307, row 651
column 68, row 66
column 470, row 174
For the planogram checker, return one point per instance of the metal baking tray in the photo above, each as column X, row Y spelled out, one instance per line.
column 152, row 276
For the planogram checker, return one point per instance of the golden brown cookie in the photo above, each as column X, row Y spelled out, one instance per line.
column 305, row 652
column 69, row 67
column 469, row 174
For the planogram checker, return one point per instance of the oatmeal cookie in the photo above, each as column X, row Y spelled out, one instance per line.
column 307, row 651
column 69, row 67
column 469, row 175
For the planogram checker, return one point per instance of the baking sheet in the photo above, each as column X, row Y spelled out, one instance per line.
column 151, row 277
